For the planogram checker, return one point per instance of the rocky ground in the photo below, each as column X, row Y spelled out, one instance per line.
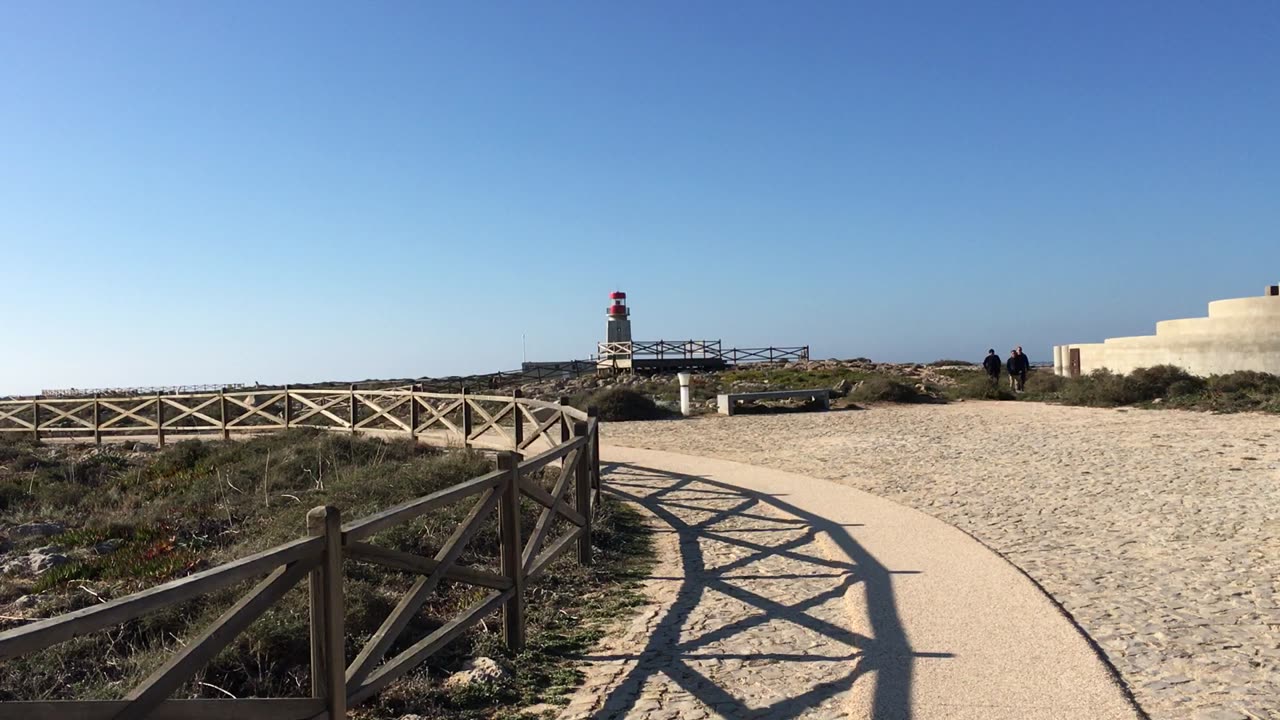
column 838, row 375
column 1158, row 531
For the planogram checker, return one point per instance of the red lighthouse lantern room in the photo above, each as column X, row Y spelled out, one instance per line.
column 619, row 329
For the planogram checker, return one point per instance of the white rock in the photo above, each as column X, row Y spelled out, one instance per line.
column 106, row 547
column 37, row 529
column 481, row 669
column 26, row 602
column 47, row 558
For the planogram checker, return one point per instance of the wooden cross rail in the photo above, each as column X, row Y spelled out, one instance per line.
column 501, row 422
column 696, row 349
column 564, row 522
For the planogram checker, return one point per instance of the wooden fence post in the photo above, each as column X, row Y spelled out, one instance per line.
column 582, row 481
column 222, row 412
column 288, row 409
column 466, row 420
column 328, row 659
column 564, row 420
column 511, row 540
column 35, row 419
column 518, row 415
column 353, row 409
column 159, row 420
column 413, row 412
column 593, row 412
column 97, row 421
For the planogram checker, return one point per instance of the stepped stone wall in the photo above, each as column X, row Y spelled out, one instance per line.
column 1238, row 334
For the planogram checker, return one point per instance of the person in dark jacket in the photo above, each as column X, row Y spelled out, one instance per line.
column 1018, row 365
column 991, row 363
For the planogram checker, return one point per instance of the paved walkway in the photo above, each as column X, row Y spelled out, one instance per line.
column 783, row 596
column 1157, row 530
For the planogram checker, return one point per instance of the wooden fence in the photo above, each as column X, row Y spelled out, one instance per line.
column 337, row 684
column 697, row 349
column 169, row 389
column 494, row 421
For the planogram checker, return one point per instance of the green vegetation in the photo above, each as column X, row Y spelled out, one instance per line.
column 978, row 386
column 886, row 389
column 790, row 377
column 1163, row 386
column 133, row 519
column 1160, row 386
column 949, row 380
column 622, row 404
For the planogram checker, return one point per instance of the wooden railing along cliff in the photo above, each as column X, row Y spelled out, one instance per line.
column 337, row 683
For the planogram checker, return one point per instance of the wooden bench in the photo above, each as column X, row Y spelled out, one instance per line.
column 728, row 403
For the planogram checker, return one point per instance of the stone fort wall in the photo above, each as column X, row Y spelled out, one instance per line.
column 1238, row 334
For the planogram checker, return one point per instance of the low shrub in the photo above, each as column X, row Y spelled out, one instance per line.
column 1043, row 383
column 1244, row 381
column 1153, row 383
column 883, row 389
column 1236, row 392
column 1168, row 385
column 947, row 363
column 979, row 386
column 1100, row 388
column 1186, row 388
column 623, row 404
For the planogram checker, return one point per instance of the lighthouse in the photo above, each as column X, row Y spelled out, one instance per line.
column 619, row 328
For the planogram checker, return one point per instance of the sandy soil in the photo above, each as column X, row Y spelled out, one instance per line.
column 1159, row 531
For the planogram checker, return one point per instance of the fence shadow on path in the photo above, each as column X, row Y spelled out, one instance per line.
column 758, row 625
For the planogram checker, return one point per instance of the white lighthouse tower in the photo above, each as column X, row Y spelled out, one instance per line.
column 619, row 329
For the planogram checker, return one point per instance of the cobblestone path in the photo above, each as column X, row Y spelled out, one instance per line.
column 749, row 618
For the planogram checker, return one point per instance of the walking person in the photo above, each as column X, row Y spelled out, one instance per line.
column 991, row 363
column 1012, row 366
column 1019, row 365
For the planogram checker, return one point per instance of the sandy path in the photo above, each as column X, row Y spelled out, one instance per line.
column 1159, row 531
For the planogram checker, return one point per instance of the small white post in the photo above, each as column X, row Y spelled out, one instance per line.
column 685, row 408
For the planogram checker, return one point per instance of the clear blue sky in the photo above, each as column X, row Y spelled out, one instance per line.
column 240, row 191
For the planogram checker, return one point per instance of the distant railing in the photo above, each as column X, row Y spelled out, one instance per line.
column 535, row 372
column 738, row 356
column 129, row 391
column 695, row 349
column 502, row 421
column 335, row 683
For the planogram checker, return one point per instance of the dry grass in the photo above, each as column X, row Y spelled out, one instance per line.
column 195, row 504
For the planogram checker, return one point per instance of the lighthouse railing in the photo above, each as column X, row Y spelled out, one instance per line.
column 697, row 349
